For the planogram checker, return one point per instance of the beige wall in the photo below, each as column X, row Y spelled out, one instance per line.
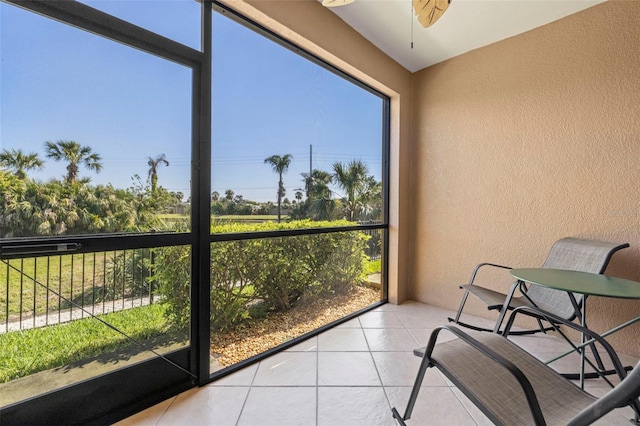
column 526, row 141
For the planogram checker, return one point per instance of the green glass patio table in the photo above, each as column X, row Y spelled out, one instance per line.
column 579, row 282
column 585, row 283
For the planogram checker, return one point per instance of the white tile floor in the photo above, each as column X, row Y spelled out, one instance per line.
column 350, row 375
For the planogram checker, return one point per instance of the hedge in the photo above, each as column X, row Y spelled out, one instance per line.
column 254, row 277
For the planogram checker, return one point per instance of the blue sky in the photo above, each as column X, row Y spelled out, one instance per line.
column 58, row 82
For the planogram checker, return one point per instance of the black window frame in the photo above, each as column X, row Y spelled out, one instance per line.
column 384, row 225
column 130, row 389
column 110, row 401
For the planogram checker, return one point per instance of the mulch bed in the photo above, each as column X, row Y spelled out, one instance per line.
column 309, row 313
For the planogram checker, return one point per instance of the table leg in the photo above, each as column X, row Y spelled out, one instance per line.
column 605, row 334
column 583, row 338
column 581, row 312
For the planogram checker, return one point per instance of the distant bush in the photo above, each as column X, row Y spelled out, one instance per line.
column 172, row 279
column 129, row 273
column 272, row 272
column 32, row 208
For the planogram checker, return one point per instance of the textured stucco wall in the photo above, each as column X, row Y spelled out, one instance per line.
column 526, row 141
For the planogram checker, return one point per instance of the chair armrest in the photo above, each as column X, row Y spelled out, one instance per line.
column 519, row 376
column 617, row 365
column 480, row 265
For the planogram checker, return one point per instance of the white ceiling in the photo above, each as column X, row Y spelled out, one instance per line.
column 466, row 25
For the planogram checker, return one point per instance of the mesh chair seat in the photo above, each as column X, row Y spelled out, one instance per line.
column 569, row 253
column 493, row 387
column 512, row 387
column 494, row 299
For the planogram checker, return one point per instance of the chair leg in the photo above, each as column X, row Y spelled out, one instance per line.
column 472, row 327
column 505, row 307
column 635, row 405
column 424, row 364
column 398, row 417
column 593, row 375
column 596, row 355
column 457, row 321
column 527, row 332
column 583, row 321
column 542, row 328
column 462, row 302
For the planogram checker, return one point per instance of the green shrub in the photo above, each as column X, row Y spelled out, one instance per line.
column 272, row 272
column 129, row 274
column 279, row 273
column 228, row 292
column 172, row 278
column 344, row 257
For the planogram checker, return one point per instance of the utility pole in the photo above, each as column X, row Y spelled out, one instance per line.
column 310, row 159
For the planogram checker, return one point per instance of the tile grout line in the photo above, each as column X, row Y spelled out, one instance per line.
column 166, row 410
column 384, row 389
column 246, row 398
column 317, row 380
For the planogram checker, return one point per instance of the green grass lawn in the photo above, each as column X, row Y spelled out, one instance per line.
column 372, row 267
column 173, row 216
column 30, row 351
column 83, row 278
column 63, row 275
column 238, row 217
column 249, row 218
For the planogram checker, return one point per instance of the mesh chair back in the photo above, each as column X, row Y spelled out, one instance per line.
column 573, row 254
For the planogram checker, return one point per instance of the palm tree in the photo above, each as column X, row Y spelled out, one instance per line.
column 74, row 154
column 317, row 185
column 319, row 204
column 371, row 197
column 280, row 166
column 352, row 178
column 322, row 203
column 20, row 162
column 154, row 163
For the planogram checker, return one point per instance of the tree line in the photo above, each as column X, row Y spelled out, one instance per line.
column 73, row 154
column 361, row 198
column 72, row 206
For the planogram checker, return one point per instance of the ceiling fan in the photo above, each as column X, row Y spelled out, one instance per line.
column 427, row 11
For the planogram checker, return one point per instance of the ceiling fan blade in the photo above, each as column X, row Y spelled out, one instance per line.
column 429, row 11
column 335, row 3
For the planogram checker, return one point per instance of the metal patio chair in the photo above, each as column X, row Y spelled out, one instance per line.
column 567, row 253
column 512, row 387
